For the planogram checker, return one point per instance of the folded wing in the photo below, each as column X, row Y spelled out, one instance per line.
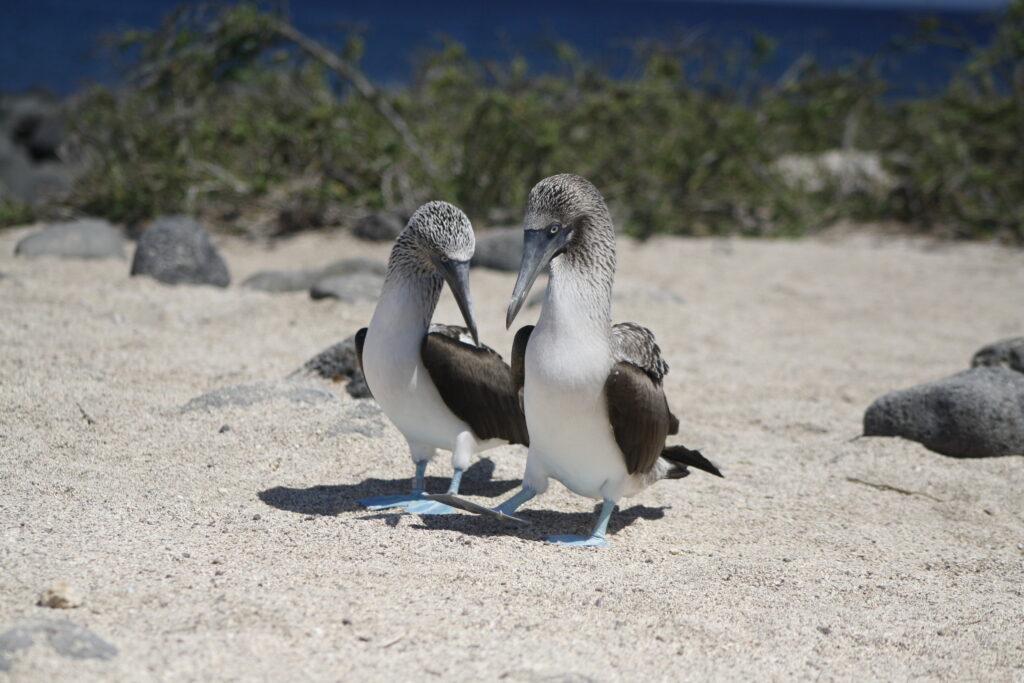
column 475, row 383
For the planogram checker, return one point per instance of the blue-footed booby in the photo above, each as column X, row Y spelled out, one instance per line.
column 440, row 387
column 592, row 391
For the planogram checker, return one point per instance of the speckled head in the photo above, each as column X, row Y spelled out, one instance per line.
column 568, row 225
column 443, row 230
column 436, row 243
column 566, row 199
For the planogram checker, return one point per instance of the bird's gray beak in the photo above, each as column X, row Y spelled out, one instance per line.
column 539, row 247
column 456, row 274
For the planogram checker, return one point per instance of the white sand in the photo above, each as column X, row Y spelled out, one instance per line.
column 241, row 555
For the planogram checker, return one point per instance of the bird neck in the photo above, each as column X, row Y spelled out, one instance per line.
column 411, row 290
column 580, row 285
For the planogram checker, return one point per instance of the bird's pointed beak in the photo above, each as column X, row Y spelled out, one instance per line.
column 456, row 274
column 537, row 252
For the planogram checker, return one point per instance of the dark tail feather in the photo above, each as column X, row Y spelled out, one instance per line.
column 683, row 457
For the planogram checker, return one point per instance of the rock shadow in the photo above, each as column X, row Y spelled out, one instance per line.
column 331, row 500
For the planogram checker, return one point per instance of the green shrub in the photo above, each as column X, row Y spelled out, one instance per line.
column 223, row 114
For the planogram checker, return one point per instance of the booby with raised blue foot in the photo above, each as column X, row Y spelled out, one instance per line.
column 437, row 383
column 592, row 391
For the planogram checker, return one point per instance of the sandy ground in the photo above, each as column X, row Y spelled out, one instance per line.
column 210, row 555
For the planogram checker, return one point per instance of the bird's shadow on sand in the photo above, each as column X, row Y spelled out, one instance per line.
column 543, row 523
column 330, row 500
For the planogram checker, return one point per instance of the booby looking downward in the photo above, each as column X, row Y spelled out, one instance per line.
column 435, row 382
column 592, row 391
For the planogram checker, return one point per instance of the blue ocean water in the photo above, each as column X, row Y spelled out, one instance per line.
column 54, row 44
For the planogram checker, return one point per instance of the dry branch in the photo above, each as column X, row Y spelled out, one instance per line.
column 365, row 88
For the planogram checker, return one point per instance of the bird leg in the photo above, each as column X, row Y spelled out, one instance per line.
column 596, row 536
column 502, row 512
column 462, row 450
column 395, row 501
column 434, row 506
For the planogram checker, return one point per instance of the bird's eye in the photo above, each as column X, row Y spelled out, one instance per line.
column 554, row 227
column 444, row 259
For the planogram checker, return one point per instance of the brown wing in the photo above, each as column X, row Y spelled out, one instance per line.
column 360, row 341
column 476, row 385
column 639, row 415
column 519, row 362
column 456, row 332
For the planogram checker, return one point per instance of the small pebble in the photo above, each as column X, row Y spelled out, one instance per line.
column 60, row 595
column 224, row 428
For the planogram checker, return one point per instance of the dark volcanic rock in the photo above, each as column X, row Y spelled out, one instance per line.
column 348, row 288
column 31, row 169
column 88, row 238
column 65, row 638
column 499, row 248
column 1008, row 353
column 260, row 392
column 339, row 362
column 973, row 414
column 298, row 280
column 27, row 180
column 176, row 249
column 382, row 226
column 32, row 121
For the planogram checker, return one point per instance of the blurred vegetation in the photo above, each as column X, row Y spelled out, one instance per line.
column 232, row 114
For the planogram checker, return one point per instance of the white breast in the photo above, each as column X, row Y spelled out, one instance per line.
column 396, row 375
column 567, row 362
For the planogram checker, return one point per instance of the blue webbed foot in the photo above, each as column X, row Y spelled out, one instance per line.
column 596, row 536
column 430, row 507
column 572, row 539
column 392, row 501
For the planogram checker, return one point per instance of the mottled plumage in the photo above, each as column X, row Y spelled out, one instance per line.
column 635, row 344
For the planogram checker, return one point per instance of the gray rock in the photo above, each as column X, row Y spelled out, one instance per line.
column 175, row 250
column 64, row 637
column 260, row 392
column 30, row 139
column 362, row 417
column 1008, row 353
column 278, row 281
column 339, row 362
column 88, row 238
column 32, row 120
column 382, row 226
column 298, row 280
column 26, row 180
column 61, row 595
column 972, row 414
column 629, row 293
column 625, row 293
column 349, row 288
column 499, row 249
column 354, row 266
